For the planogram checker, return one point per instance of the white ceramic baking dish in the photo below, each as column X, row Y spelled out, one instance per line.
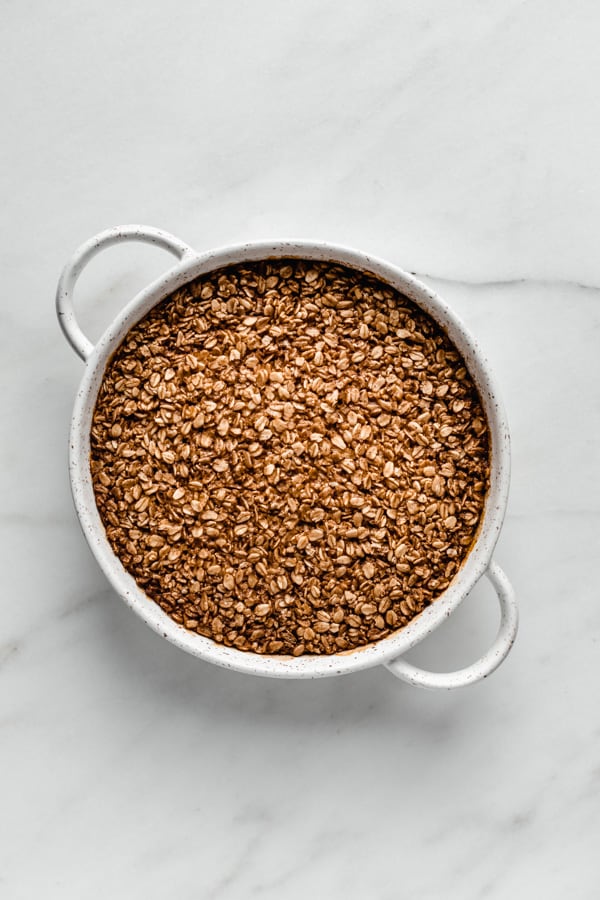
column 389, row 651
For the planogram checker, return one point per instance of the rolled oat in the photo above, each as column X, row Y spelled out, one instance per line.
column 289, row 457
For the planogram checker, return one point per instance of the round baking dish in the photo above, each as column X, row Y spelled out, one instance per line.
column 388, row 651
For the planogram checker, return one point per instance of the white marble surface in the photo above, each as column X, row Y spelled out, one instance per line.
column 459, row 140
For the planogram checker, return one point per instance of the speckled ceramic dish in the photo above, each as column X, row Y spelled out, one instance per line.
column 388, row 651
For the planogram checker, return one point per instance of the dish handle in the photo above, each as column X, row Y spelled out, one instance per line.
column 509, row 621
column 73, row 269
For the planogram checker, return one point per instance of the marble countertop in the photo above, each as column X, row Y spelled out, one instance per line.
column 459, row 141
